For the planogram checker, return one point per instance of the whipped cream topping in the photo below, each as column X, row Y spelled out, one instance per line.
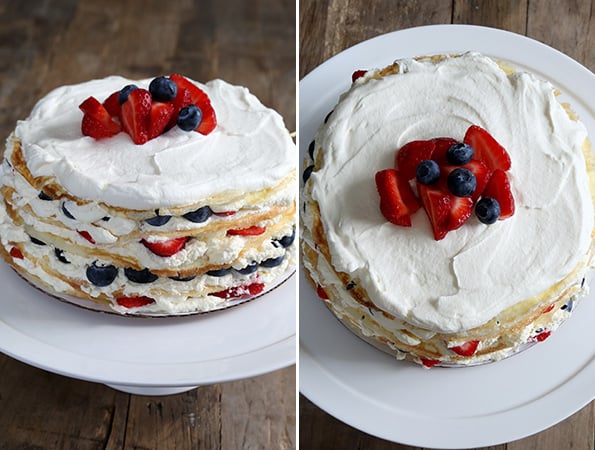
column 479, row 270
column 249, row 150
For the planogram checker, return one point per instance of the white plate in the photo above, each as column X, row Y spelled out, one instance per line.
column 444, row 408
column 147, row 354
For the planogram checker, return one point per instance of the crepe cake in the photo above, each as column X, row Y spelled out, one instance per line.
column 155, row 196
column 447, row 209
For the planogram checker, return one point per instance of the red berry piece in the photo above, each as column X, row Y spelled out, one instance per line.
column 441, row 146
column 437, row 205
column 181, row 100
column 357, row 74
column 166, row 248
column 543, row 335
column 321, row 293
column 97, row 121
column 86, row 235
column 429, row 362
column 461, row 209
column 112, row 105
column 136, row 115
column 200, row 99
column 159, row 117
column 397, row 200
column 467, row 349
column 16, row 253
column 410, row 155
column 248, row 290
column 250, row 231
column 487, row 149
column 498, row 188
column 134, row 302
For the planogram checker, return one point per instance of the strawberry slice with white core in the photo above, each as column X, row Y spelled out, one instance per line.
column 397, row 200
column 97, row 121
column 166, row 248
column 437, row 205
column 410, row 155
column 461, row 209
column 159, row 117
column 499, row 189
column 136, row 115
column 487, row 149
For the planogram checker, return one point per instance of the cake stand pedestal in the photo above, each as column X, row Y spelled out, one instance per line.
column 150, row 390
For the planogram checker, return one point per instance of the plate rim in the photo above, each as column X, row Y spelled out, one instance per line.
column 345, row 59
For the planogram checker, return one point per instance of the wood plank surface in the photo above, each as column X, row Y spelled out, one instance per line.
column 330, row 26
column 45, row 44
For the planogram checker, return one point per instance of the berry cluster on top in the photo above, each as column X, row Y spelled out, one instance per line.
column 451, row 179
column 145, row 114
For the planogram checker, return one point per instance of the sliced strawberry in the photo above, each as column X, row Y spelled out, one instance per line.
column 97, row 121
column 134, row 302
column 461, row 209
column 86, row 235
column 357, row 74
column 548, row 309
column 543, row 335
column 397, row 200
column 498, row 187
column 441, row 146
column 224, row 213
column 321, row 293
column 487, row 149
column 479, row 169
column 466, row 349
column 411, row 154
column 437, row 205
column 159, row 117
column 254, row 230
column 429, row 362
column 166, row 248
column 183, row 98
column 16, row 253
column 136, row 114
column 200, row 99
column 241, row 291
column 112, row 105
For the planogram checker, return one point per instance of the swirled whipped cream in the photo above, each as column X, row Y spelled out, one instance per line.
column 477, row 271
column 249, row 150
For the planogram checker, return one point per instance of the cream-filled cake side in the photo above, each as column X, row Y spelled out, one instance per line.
column 461, row 285
column 186, row 222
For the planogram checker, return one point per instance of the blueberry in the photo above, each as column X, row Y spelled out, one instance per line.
column 66, row 212
column 125, row 92
column 328, row 116
column 219, row 272
column 311, row 149
column 101, row 275
column 36, row 241
column 140, row 276
column 286, row 241
column 272, row 262
column 199, row 216
column 189, row 117
column 307, row 173
column 190, row 278
column 60, row 256
column 487, row 210
column 459, row 154
column 158, row 220
column 163, row 89
column 250, row 268
column 105, row 218
column 461, row 182
column 427, row 172
column 43, row 196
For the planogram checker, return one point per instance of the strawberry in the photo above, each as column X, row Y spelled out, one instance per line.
column 441, row 146
column 200, row 99
column 224, row 213
column 16, row 253
column 86, row 235
column 159, row 117
column 461, row 209
column 466, row 349
column 498, row 187
column 397, row 201
column 183, row 98
column 112, row 105
column 136, row 113
column 250, row 231
column 321, row 292
column 429, row 362
column 166, row 248
column 411, row 154
column 241, row 291
column 487, row 149
column 134, row 302
column 543, row 336
column 97, row 121
column 479, row 169
column 437, row 205
column 357, row 74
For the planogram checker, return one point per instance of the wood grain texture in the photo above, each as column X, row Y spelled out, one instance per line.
column 330, row 26
column 45, row 44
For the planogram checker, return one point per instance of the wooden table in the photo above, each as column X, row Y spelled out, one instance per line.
column 44, row 44
column 327, row 27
